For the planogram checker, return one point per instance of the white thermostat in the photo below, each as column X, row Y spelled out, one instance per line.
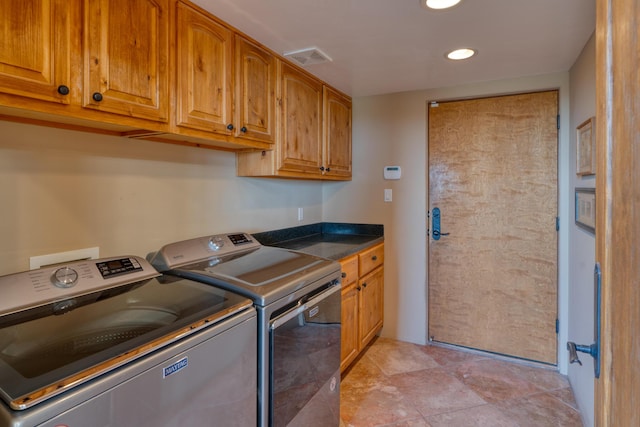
column 392, row 172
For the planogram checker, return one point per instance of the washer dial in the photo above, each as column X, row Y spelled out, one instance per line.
column 64, row 277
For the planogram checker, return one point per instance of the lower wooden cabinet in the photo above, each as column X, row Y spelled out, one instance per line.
column 362, row 301
column 370, row 306
column 350, row 343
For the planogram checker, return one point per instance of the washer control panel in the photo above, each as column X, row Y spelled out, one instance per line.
column 118, row 266
column 46, row 285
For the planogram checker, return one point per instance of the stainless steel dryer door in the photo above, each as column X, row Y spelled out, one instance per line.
column 305, row 362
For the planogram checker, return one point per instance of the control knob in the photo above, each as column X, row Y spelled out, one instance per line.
column 64, row 277
column 215, row 243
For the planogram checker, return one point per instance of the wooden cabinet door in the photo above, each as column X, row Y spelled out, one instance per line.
column 301, row 144
column 337, row 134
column 255, row 89
column 205, row 73
column 349, row 333
column 126, row 57
column 35, row 48
column 370, row 305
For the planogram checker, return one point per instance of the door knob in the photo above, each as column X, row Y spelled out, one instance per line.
column 435, row 224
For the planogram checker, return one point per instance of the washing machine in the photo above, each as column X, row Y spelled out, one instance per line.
column 112, row 342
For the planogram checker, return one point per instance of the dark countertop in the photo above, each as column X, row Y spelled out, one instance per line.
column 325, row 239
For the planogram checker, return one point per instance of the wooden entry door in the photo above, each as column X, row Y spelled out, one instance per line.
column 493, row 175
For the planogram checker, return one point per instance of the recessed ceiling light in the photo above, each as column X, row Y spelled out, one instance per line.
column 460, row 54
column 439, row 4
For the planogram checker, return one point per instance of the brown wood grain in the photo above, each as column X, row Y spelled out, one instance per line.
column 370, row 305
column 618, row 210
column 349, row 267
column 370, row 259
column 204, row 72
column 39, row 60
column 301, row 122
column 349, row 332
column 493, row 174
column 255, row 84
column 337, row 133
column 127, row 57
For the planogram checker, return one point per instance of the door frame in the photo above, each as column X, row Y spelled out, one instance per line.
column 617, row 212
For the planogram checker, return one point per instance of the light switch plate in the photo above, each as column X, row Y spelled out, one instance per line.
column 388, row 195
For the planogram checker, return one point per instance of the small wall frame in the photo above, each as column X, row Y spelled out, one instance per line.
column 586, row 209
column 586, row 148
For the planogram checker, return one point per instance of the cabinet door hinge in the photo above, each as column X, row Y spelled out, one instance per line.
column 557, row 326
column 557, row 223
column 558, row 121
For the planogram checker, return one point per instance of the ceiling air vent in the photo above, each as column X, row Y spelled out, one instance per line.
column 307, row 56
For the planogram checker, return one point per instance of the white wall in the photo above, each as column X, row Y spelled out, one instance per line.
column 582, row 243
column 392, row 130
column 64, row 190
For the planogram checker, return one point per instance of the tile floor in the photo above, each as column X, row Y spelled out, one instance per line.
column 398, row 384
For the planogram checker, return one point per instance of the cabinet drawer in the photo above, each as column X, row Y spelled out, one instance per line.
column 349, row 267
column 370, row 259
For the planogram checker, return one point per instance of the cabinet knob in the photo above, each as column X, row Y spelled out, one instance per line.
column 358, row 288
column 344, row 274
column 328, row 169
column 230, row 126
column 97, row 96
column 364, row 285
column 243, row 129
column 63, row 90
column 321, row 168
column 374, row 258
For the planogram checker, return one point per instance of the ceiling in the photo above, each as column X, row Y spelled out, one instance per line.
column 386, row 46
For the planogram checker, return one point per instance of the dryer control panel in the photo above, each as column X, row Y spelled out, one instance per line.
column 193, row 250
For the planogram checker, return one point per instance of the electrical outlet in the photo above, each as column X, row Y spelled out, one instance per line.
column 300, row 214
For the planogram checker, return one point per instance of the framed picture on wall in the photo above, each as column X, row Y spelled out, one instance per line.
column 586, row 208
column 586, row 148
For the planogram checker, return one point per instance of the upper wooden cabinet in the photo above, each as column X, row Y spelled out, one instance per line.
column 126, row 57
column 300, row 149
column 337, row 133
column 314, row 139
column 167, row 70
column 204, row 95
column 255, row 91
column 225, row 84
column 35, row 48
